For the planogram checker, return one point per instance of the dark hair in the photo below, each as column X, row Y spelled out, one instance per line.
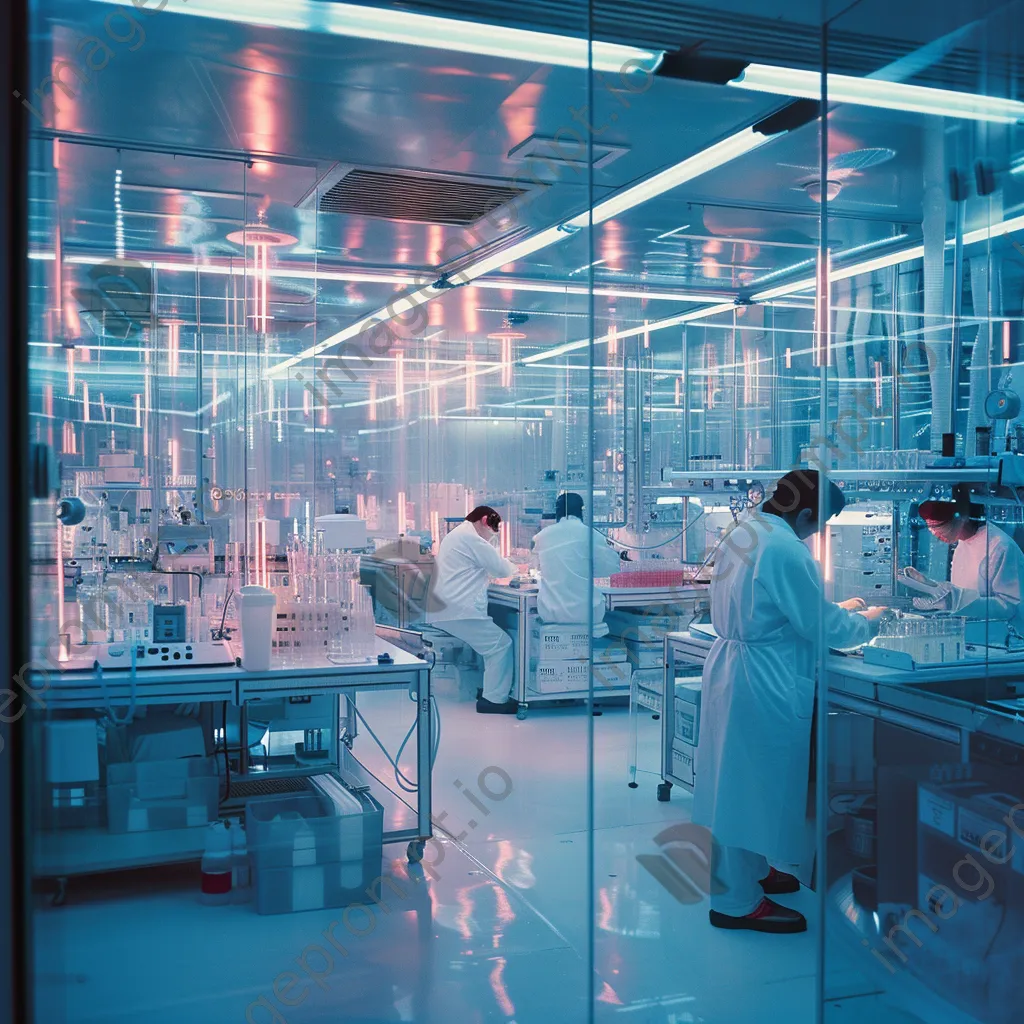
column 798, row 490
column 487, row 513
column 568, row 504
column 968, row 515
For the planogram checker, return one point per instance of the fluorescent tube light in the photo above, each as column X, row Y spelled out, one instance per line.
column 995, row 231
column 654, row 325
column 686, row 170
column 872, row 92
column 553, row 288
column 891, row 259
column 527, row 247
column 409, row 29
column 914, row 252
column 692, row 167
column 397, row 308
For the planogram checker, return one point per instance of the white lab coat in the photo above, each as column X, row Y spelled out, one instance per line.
column 464, row 566
column 986, row 577
column 563, row 549
column 753, row 758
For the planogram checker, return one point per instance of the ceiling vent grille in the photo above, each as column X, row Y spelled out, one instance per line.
column 426, row 199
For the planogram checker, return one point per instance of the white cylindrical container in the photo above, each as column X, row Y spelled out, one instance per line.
column 215, row 887
column 257, row 621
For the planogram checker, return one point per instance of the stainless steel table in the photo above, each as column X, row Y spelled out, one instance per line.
column 518, row 605
column 79, row 851
column 949, row 702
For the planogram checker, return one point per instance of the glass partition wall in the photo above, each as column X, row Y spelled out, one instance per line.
column 923, row 789
column 298, row 264
column 392, row 263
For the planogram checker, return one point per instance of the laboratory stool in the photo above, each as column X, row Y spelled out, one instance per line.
column 454, row 659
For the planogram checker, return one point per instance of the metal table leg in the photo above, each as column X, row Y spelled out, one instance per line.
column 424, row 745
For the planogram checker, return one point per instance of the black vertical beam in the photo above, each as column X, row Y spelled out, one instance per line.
column 15, row 947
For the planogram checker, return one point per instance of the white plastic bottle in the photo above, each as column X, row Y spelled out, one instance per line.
column 217, row 863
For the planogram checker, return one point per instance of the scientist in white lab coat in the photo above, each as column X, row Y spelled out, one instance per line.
column 564, row 553
column 467, row 560
column 753, row 757
column 985, row 575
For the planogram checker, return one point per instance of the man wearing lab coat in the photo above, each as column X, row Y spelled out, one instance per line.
column 753, row 756
column 564, row 553
column 467, row 560
column 985, row 575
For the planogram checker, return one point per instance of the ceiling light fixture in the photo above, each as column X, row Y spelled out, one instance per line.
column 423, row 30
column 615, row 335
column 709, row 159
column 369, row 277
column 625, row 199
column 873, row 92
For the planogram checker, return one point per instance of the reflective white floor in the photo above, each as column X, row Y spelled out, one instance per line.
column 497, row 929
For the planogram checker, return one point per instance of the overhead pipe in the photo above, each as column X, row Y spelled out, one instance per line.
column 934, row 232
column 986, row 292
column 958, row 197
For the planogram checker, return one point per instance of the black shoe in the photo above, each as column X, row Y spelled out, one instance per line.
column 769, row 917
column 779, row 883
column 487, row 707
column 479, row 692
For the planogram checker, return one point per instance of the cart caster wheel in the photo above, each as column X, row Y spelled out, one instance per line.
column 60, row 896
column 634, row 785
column 597, row 714
column 664, row 792
column 415, row 851
column 521, row 714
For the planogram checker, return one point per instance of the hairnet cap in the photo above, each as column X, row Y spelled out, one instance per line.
column 938, row 513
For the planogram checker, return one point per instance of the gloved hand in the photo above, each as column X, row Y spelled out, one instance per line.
column 875, row 616
column 874, row 613
column 854, row 604
column 940, row 602
column 936, row 593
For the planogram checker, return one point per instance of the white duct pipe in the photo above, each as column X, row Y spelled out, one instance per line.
column 844, row 349
column 986, row 293
column 936, row 336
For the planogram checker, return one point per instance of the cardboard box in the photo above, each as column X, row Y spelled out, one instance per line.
column 612, row 675
column 683, row 755
column 609, row 651
column 645, row 655
column 687, row 707
column 569, row 676
column 148, row 795
column 560, row 676
column 559, row 643
column 644, row 628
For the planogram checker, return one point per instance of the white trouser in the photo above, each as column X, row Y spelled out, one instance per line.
column 494, row 645
column 740, row 872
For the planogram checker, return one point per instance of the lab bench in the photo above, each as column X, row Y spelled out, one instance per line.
column 65, row 852
column 950, row 703
column 515, row 609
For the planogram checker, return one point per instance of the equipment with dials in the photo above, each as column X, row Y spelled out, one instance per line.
column 156, row 655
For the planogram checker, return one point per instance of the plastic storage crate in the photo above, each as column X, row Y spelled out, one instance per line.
column 307, row 856
column 144, row 796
